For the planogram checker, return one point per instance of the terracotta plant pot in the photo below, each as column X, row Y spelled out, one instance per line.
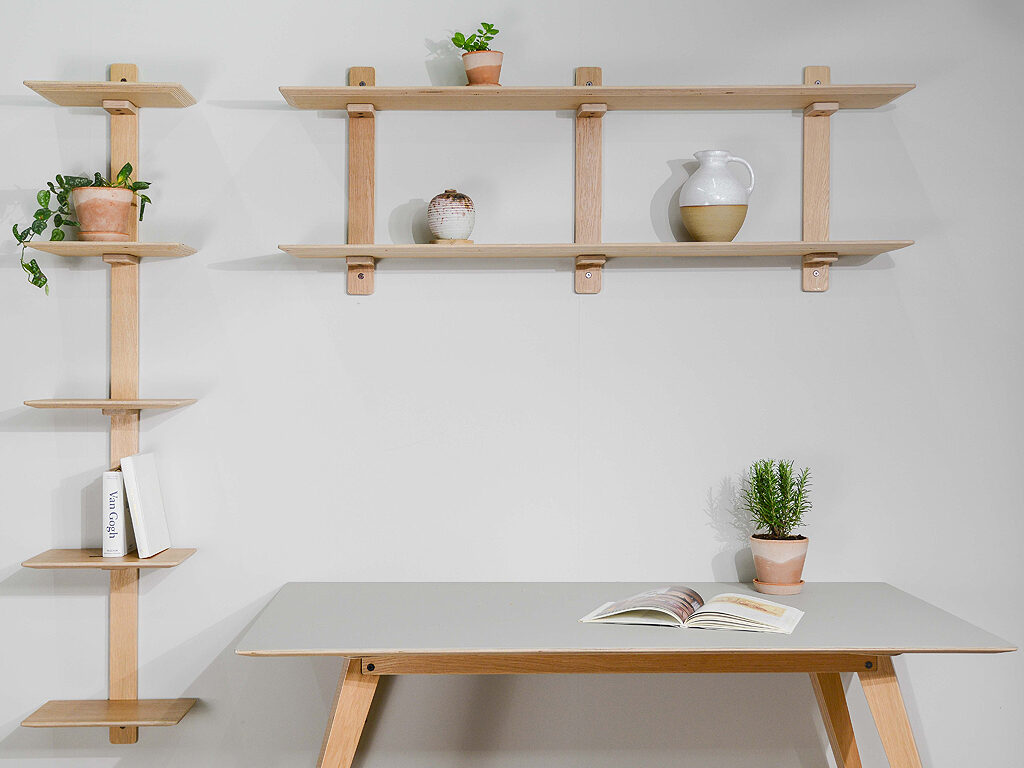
column 103, row 213
column 779, row 564
column 483, row 67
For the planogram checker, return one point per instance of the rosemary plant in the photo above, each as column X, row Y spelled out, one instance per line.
column 777, row 496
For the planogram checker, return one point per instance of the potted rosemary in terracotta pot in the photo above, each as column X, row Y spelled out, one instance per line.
column 483, row 66
column 777, row 497
column 102, row 212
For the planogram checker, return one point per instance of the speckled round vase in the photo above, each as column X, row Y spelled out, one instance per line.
column 779, row 563
column 451, row 216
column 483, row 67
column 103, row 213
column 713, row 202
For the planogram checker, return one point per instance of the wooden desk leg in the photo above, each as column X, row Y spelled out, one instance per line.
column 828, row 690
column 348, row 715
column 882, row 690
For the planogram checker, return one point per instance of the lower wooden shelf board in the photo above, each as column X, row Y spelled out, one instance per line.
column 113, row 405
column 93, row 558
column 81, row 248
column 104, row 713
column 861, row 248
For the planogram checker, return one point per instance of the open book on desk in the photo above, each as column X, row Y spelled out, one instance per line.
column 678, row 606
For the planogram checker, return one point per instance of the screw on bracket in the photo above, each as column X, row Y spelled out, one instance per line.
column 868, row 664
column 370, row 667
column 590, row 82
column 362, row 82
column 817, row 82
column 589, row 275
column 816, row 273
column 124, row 80
column 360, row 275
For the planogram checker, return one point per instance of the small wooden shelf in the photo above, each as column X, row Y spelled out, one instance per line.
column 862, row 248
column 103, row 713
column 113, row 405
column 463, row 98
column 80, row 248
column 92, row 94
column 93, row 559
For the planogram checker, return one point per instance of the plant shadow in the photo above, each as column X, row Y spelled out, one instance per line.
column 732, row 527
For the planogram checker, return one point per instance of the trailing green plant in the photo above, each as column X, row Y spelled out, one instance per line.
column 478, row 41
column 777, row 497
column 59, row 192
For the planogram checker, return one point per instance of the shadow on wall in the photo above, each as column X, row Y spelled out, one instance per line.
column 732, row 527
column 665, row 217
column 408, row 223
column 444, row 64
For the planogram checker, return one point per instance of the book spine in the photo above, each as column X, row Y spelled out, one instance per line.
column 115, row 534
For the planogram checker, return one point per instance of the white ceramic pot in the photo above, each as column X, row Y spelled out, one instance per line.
column 483, row 67
column 451, row 216
column 103, row 213
column 713, row 202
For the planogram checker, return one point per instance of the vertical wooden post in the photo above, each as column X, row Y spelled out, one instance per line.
column 124, row 427
column 882, row 690
column 348, row 716
column 588, row 184
column 835, row 713
column 816, row 183
column 361, row 192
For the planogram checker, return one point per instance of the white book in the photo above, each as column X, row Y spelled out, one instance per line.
column 145, row 504
column 117, row 528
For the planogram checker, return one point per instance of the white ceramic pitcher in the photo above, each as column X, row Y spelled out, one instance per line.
column 713, row 202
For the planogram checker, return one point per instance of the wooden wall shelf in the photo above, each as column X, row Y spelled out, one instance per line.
column 66, row 93
column 106, row 713
column 839, row 248
column 93, row 559
column 122, row 97
column 81, row 248
column 111, row 404
column 466, row 98
column 816, row 98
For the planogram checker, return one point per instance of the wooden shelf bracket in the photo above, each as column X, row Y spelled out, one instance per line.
column 587, row 225
column 361, row 182
column 817, row 138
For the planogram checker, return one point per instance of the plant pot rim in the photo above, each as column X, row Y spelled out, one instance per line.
column 766, row 537
column 103, row 189
column 489, row 50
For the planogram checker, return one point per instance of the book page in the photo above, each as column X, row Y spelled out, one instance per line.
column 745, row 612
column 670, row 606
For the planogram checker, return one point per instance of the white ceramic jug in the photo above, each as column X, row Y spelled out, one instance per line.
column 713, row 202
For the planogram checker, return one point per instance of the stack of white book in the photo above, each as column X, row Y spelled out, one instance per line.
column 145, row 526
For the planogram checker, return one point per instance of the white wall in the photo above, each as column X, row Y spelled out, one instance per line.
column 481, row 421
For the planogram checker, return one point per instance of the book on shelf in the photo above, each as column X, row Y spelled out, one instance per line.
column 118, row 538
column 678, row 606
column 145, row 504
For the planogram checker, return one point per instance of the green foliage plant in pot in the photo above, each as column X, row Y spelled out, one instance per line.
column 777, row 497
column 483, row 66
column 102, row 212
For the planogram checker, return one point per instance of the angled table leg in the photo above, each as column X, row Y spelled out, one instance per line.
column 828, row 690
column 882, row 690
column 348, row 715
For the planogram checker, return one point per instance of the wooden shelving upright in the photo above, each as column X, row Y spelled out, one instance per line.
column 817, row 98
column 122, row 97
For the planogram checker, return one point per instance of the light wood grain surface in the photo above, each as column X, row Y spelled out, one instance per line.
column 81, row 248
column 93, row 558
column 365, row 619
column 860, row 248
column 65, row 713
column 68, row 93
column 112, row 404
column 692, row 97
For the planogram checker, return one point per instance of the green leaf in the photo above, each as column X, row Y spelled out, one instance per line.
column 459, row 39
column 43, row 198
column 471, row 39
column 58, row 221
column 57, row 235
column 26, row 234
column 42, row 214
column 17, row 236
column 99, row 181
column 137, row 185
column 71, row 182
column 70, row 223
column 38, row 226
column 124, row 173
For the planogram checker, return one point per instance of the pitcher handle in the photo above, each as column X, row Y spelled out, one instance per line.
column 734, row 159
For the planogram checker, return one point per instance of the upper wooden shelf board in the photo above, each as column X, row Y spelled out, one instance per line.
column 103, row 713
column 92, row 94
column 78, row 248
column 614, row 97
column 93, row 558
column 862, row 248
column 106, row 404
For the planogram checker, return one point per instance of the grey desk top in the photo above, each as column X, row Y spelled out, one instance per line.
column 357, row 619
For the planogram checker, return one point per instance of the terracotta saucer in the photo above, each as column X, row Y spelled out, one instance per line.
column 770, row 588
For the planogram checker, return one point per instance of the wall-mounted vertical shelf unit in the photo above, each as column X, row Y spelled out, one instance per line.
column 122, row 97
column 817, row 99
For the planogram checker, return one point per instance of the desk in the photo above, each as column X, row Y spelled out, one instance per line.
column 531, row 628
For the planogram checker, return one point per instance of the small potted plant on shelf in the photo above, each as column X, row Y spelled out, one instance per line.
column 777, row 497
column 102, row 212
column 483, row 66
